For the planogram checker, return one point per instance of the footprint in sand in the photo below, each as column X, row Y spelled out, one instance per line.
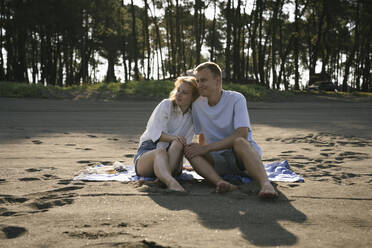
column 32, row 170
column 37, row 142
column 12, row 199
column 27, row 179
column 48, row 168
column 5, row 212
column 92, row 136
column 49, row 177
column 129, row 155
column 307, row 149
column 355, row 156
column 133, row 141
column 70, row 144
column 84, row 162
column 97, row 235
column 64, row 181
column 115, row 139
column 11, row 232
column 42, row 204
column 69, row 188
column 2, row 180
column 288, row 151
column 297, row 165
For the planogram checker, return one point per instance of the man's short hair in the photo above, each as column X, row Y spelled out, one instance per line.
column 213, row 67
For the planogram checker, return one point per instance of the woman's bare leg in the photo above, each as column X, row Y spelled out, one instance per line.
column 175, row 157
column 156, row 163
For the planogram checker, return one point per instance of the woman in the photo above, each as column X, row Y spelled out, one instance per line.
column 169, row 129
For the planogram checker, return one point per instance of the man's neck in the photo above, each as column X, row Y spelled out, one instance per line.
column 214, row 99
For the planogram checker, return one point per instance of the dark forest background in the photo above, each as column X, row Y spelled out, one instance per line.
column 59, row 42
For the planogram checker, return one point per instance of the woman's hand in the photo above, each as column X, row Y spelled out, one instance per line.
column 180, row 139
column 169, row 138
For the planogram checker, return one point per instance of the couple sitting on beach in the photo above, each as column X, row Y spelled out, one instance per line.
column 221, row 121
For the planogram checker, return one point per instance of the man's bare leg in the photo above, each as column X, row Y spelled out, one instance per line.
column 205, row 169
column 254, row 166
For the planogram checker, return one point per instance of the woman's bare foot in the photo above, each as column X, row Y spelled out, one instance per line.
column 175, row 186
column 224, row 187
column 267, row 191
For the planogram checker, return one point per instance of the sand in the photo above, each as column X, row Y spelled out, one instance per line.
column 44, row 143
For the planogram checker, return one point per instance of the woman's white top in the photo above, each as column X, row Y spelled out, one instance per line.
column 169, row 119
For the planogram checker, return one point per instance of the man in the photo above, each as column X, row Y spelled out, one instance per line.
column 225, row 146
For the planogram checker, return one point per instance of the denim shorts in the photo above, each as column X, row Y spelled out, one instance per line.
column 146, row 146
column 225, row 163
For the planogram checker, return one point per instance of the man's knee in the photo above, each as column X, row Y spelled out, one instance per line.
column 193, row 160
column 240, row 144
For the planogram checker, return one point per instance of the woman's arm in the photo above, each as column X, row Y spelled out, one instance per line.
column 166, row 137
column 169, row 138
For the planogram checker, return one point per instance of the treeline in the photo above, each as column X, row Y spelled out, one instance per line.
column 268, row 42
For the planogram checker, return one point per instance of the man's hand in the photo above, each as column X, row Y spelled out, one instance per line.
column 192, row 150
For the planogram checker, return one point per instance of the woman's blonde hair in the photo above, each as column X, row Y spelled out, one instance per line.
column 190, row 81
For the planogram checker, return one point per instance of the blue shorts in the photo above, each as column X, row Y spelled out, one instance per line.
column 226, row 163
column 146, row 146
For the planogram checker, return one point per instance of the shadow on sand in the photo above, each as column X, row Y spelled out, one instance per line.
column 258, row 220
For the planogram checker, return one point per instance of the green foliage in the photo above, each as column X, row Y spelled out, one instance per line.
column 149, row 88
column 10, row 89
column 254, row 92
column 152, row 90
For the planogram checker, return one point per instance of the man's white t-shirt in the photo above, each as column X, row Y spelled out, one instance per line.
column 221, row 120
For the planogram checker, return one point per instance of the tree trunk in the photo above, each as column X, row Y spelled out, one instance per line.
column 277, row 8
column 134, row 43
column 228, row 17
column 350, row 58
column 296, row 47
column 147, row 37
column 254, row 42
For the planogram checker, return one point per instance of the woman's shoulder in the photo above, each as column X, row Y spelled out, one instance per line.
column 165, row 105
column 165, row 102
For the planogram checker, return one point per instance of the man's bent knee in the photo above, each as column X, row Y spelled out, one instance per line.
column 241, row 143
column 193, row 159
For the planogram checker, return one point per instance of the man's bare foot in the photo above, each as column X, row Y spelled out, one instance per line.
column 267, row 191
column 224, row 187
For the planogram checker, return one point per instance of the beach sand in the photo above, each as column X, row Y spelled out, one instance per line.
column 44, row 143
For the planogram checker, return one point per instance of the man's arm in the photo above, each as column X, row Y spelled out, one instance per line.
column 193, row 150
column 201, row 139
